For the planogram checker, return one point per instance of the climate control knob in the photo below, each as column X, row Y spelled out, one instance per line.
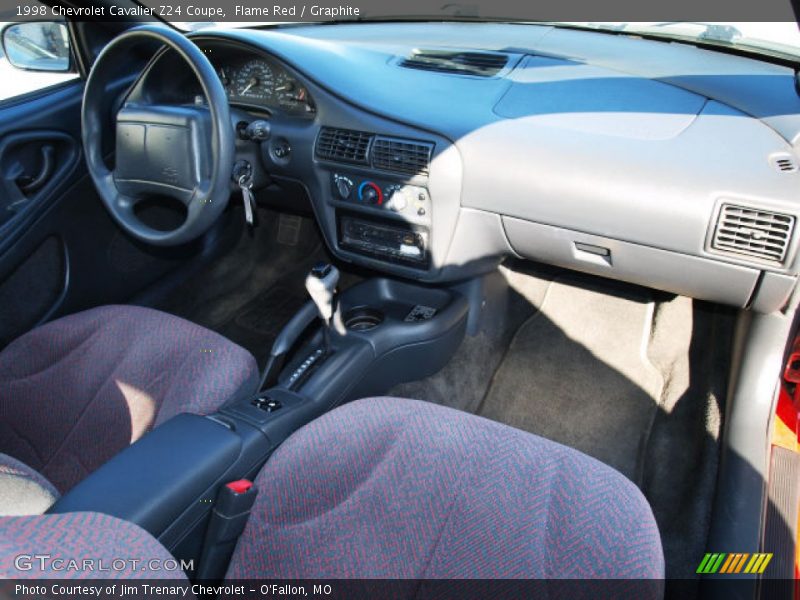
column 397, row 199
column 370, row 193
column 344, row 186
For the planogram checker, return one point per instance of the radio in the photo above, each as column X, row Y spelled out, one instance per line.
column 399, row 244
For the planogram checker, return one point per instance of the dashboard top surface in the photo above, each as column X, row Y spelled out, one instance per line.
column 361, row 62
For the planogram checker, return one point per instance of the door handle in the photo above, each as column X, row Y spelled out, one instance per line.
column 29, row 184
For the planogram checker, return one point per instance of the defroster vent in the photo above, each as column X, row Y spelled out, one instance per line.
column 480, row 64
column 402, row 156
column 343, row 145
column 753, row 232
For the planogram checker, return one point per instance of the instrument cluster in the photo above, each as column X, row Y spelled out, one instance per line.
column 261, row 83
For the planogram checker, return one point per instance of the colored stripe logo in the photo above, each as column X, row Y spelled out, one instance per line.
column 734, row 563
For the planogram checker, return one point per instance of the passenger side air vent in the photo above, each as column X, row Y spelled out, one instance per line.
column 752, row 232
column 402, row 156
column 784, row 163
column 481, row 64
column 343, row 145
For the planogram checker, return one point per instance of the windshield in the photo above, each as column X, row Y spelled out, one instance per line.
column 771, row 38
column 781, row 39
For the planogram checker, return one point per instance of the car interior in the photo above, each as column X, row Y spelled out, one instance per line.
column 409, row 289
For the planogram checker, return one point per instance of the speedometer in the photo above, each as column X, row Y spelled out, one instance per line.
column 254, row 80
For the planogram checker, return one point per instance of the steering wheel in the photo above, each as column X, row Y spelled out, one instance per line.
column 178, row 151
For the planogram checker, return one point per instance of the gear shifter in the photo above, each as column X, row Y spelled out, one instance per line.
column 321, row 286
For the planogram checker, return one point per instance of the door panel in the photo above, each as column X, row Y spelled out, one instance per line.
column 32, row 163
column 33, row 290
column 60, row 251
column 26, row 124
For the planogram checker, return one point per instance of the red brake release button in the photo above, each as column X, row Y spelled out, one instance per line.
column 240, row 487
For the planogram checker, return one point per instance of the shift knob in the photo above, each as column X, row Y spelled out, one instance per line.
column 321, row 285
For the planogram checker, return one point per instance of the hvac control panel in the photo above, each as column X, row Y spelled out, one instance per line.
column 400, row 198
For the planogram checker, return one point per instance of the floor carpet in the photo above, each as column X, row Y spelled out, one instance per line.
column 251, row 292
column 577, row 372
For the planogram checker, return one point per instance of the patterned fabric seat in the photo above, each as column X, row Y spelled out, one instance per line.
column 55, row 546
column 389, row 488
column 78, row 390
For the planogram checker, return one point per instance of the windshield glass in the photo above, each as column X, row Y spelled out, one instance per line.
column 773, row 38
column 769, row 38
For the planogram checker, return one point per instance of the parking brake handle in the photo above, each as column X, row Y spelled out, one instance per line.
column 228, row 519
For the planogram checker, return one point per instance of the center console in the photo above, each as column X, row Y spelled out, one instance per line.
column 384, row 332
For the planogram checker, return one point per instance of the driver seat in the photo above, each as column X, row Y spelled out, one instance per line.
column 78, row 390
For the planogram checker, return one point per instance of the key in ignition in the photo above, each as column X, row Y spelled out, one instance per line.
column 243, row 176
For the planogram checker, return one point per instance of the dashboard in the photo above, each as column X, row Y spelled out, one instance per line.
column 665, row 165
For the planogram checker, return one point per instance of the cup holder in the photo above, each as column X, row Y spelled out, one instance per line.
column 362, row 318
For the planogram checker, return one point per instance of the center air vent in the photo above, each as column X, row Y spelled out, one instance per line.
column 343, row 145
column 403, row 156
column 752, row 232
column 482, row 64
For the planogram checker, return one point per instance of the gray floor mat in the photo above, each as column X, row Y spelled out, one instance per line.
column 256, row 324
column 691, row 345
column 265, row 314
column 251, row 292
column 563, row 380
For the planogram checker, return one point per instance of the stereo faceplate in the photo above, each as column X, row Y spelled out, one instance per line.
column 385, row 240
